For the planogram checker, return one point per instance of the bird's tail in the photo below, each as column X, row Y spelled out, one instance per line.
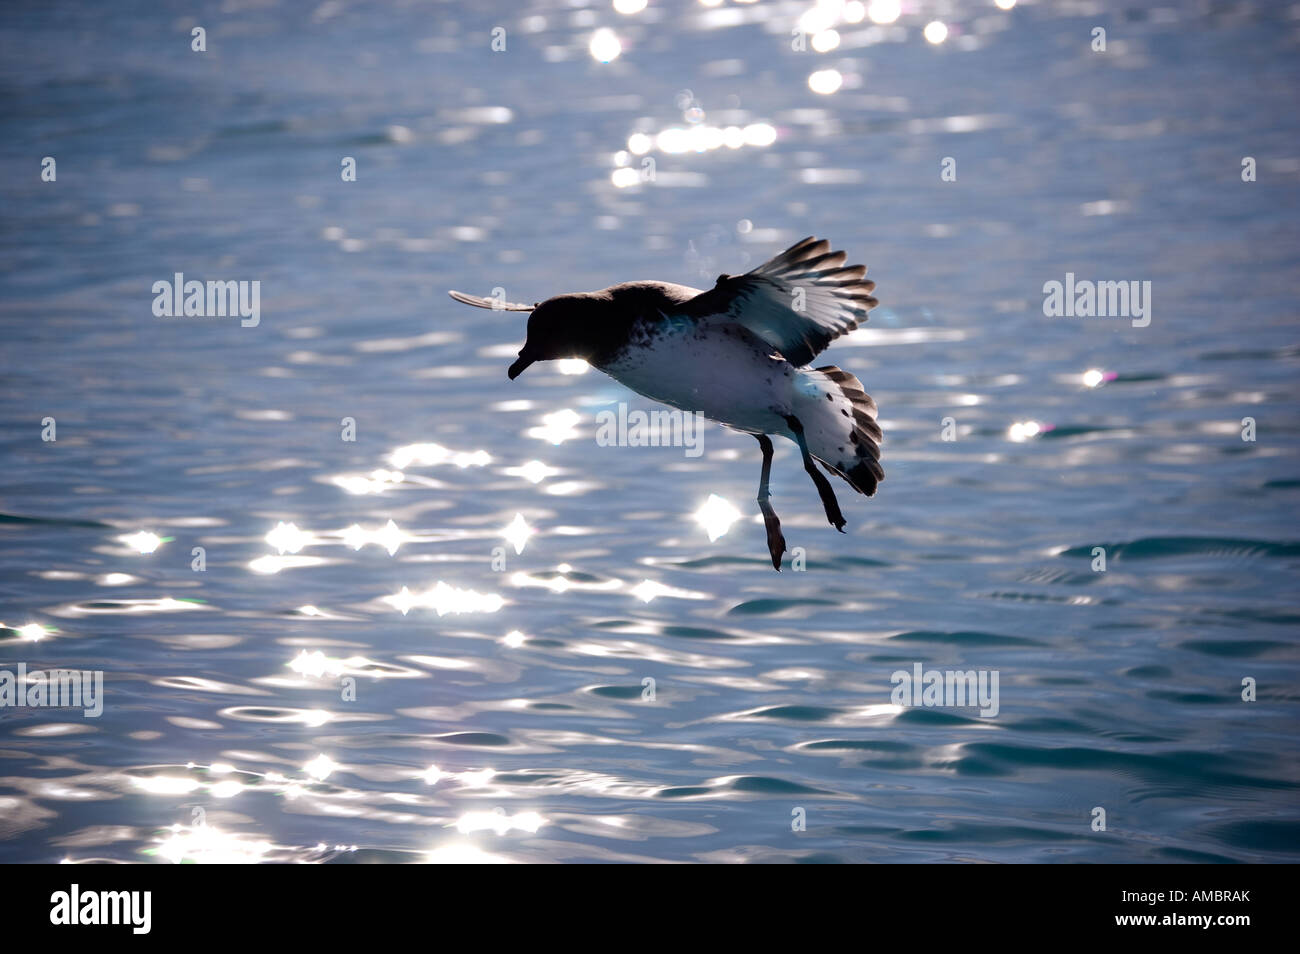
column 839, row 422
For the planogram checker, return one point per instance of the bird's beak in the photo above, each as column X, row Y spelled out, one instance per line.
column 518, row 367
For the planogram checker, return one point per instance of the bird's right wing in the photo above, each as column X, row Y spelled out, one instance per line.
column 496, row 304
column 798, row 302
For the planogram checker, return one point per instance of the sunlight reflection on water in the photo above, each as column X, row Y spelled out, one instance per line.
column 473, row 633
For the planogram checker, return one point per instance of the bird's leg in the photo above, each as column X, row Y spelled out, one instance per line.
column 829, row 503
column 775, row 539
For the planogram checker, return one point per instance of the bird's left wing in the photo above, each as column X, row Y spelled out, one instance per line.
column 496, row 304
column 798, row 302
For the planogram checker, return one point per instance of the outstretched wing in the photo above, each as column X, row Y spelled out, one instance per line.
column 798, row 302
column 494, row 303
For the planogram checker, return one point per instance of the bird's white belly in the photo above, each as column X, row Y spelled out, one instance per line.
column 728, row 376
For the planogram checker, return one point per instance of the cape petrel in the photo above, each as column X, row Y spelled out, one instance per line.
column 737, row 354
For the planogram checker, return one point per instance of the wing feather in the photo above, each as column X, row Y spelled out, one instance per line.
column 798, row 302
column 495, row 304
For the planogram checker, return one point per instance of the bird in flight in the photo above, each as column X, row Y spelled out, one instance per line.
column 738, row 354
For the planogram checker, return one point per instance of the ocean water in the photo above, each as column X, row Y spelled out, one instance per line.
column 625, row 688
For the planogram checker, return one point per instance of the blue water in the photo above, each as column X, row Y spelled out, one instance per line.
column 518, row 724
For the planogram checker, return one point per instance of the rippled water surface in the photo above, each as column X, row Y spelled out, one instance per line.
column 343, row 689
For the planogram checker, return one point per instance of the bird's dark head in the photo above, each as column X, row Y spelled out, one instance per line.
column 566, row 326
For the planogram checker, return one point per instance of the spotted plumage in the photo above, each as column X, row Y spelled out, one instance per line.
column 737, row 354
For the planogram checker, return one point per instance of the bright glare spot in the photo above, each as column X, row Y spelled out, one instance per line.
column 854, row 11
column 287, row 538
column 404, row 601
column 167, row 785
column 315, row 717
column 321, row 767
column 936, row 32
column 315, row 664
column 623, row 178
column 1005, row 4
column 705, row 138
column 629, row 7
column 1024, row 430
column 389, row 536
column 274, row 564
column 555, row 584
column 639, row 144
column 825, row 81
column 377, row 482
column 674, row 140
column 534, row 471
column 716, row 516
column 884, row 11
column 647, row 590
column 432, row 775
column 142, row 542
column 518, row 532
column 446, row 599
column 825, row 41
column 759, row 134
column 499, row 822
column 205, row 845
column 32, row 632
column 462, row 853
column 477, row 779
column 817, row 19
column 699, row 138
column 428, row 455
column 227, row 789
column 558, row 427
column 1092, row 378
column 605, row 46
column 514, row 639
